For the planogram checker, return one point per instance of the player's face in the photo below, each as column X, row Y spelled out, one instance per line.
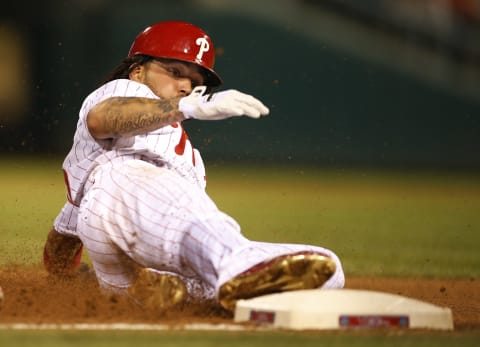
column 169, row 79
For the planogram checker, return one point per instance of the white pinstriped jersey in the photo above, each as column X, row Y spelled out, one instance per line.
column 158, row 215
column 168, row 146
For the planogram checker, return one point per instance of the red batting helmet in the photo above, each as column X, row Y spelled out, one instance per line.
column 178, row 40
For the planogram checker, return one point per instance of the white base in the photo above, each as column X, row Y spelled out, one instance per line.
column 342, row 309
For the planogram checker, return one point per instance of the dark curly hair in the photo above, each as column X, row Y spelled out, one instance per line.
column 128, row 64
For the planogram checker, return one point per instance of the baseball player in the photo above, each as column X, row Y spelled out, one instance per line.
column 136, row 186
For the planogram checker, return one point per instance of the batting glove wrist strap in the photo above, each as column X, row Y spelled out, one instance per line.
column 221, row 105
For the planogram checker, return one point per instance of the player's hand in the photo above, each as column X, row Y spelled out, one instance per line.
column 221, row 105
column 62, row 254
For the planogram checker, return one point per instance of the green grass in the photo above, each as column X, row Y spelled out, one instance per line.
column 32, row 193
column 204, row 339
column 379, row 222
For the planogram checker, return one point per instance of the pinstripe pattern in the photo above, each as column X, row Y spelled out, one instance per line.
column 87, row 153
column 140, row 201
column 161, row 221
column 66, row 221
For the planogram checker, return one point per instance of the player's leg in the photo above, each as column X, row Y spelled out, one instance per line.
column 337, row 280
column 241, row 268
column 118, row 273
column 121, row 253
column 145, row 213
column 160, row 221
column 161, row 290
column 156, row 218
column 289, row 267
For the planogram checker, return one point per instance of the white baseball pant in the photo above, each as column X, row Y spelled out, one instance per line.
column 135, row 213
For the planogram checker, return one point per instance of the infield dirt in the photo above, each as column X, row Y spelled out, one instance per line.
column 31, row 296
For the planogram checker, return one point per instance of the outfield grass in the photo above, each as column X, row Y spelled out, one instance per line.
column 379, row 222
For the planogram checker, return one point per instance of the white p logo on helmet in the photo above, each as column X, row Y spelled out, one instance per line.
column 202, row 42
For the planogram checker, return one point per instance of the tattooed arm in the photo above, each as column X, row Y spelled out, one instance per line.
column 129, row 116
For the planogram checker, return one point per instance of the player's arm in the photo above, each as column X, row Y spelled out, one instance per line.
column 129, row 116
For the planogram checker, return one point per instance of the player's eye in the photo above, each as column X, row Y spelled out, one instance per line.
column 174, row 72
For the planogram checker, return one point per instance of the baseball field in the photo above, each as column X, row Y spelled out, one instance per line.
column 409, row 232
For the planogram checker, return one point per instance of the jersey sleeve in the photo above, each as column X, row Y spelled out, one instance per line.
column 115, row 88
column 66, row 221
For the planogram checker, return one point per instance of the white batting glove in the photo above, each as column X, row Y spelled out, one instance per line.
column 221, row 105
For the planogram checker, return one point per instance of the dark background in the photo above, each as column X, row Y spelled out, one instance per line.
column 349, row 83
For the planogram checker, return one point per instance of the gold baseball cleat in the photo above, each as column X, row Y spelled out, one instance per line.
column 305, row 270
column 158, row 291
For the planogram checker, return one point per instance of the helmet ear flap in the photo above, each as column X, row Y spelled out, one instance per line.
column 180, row 41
